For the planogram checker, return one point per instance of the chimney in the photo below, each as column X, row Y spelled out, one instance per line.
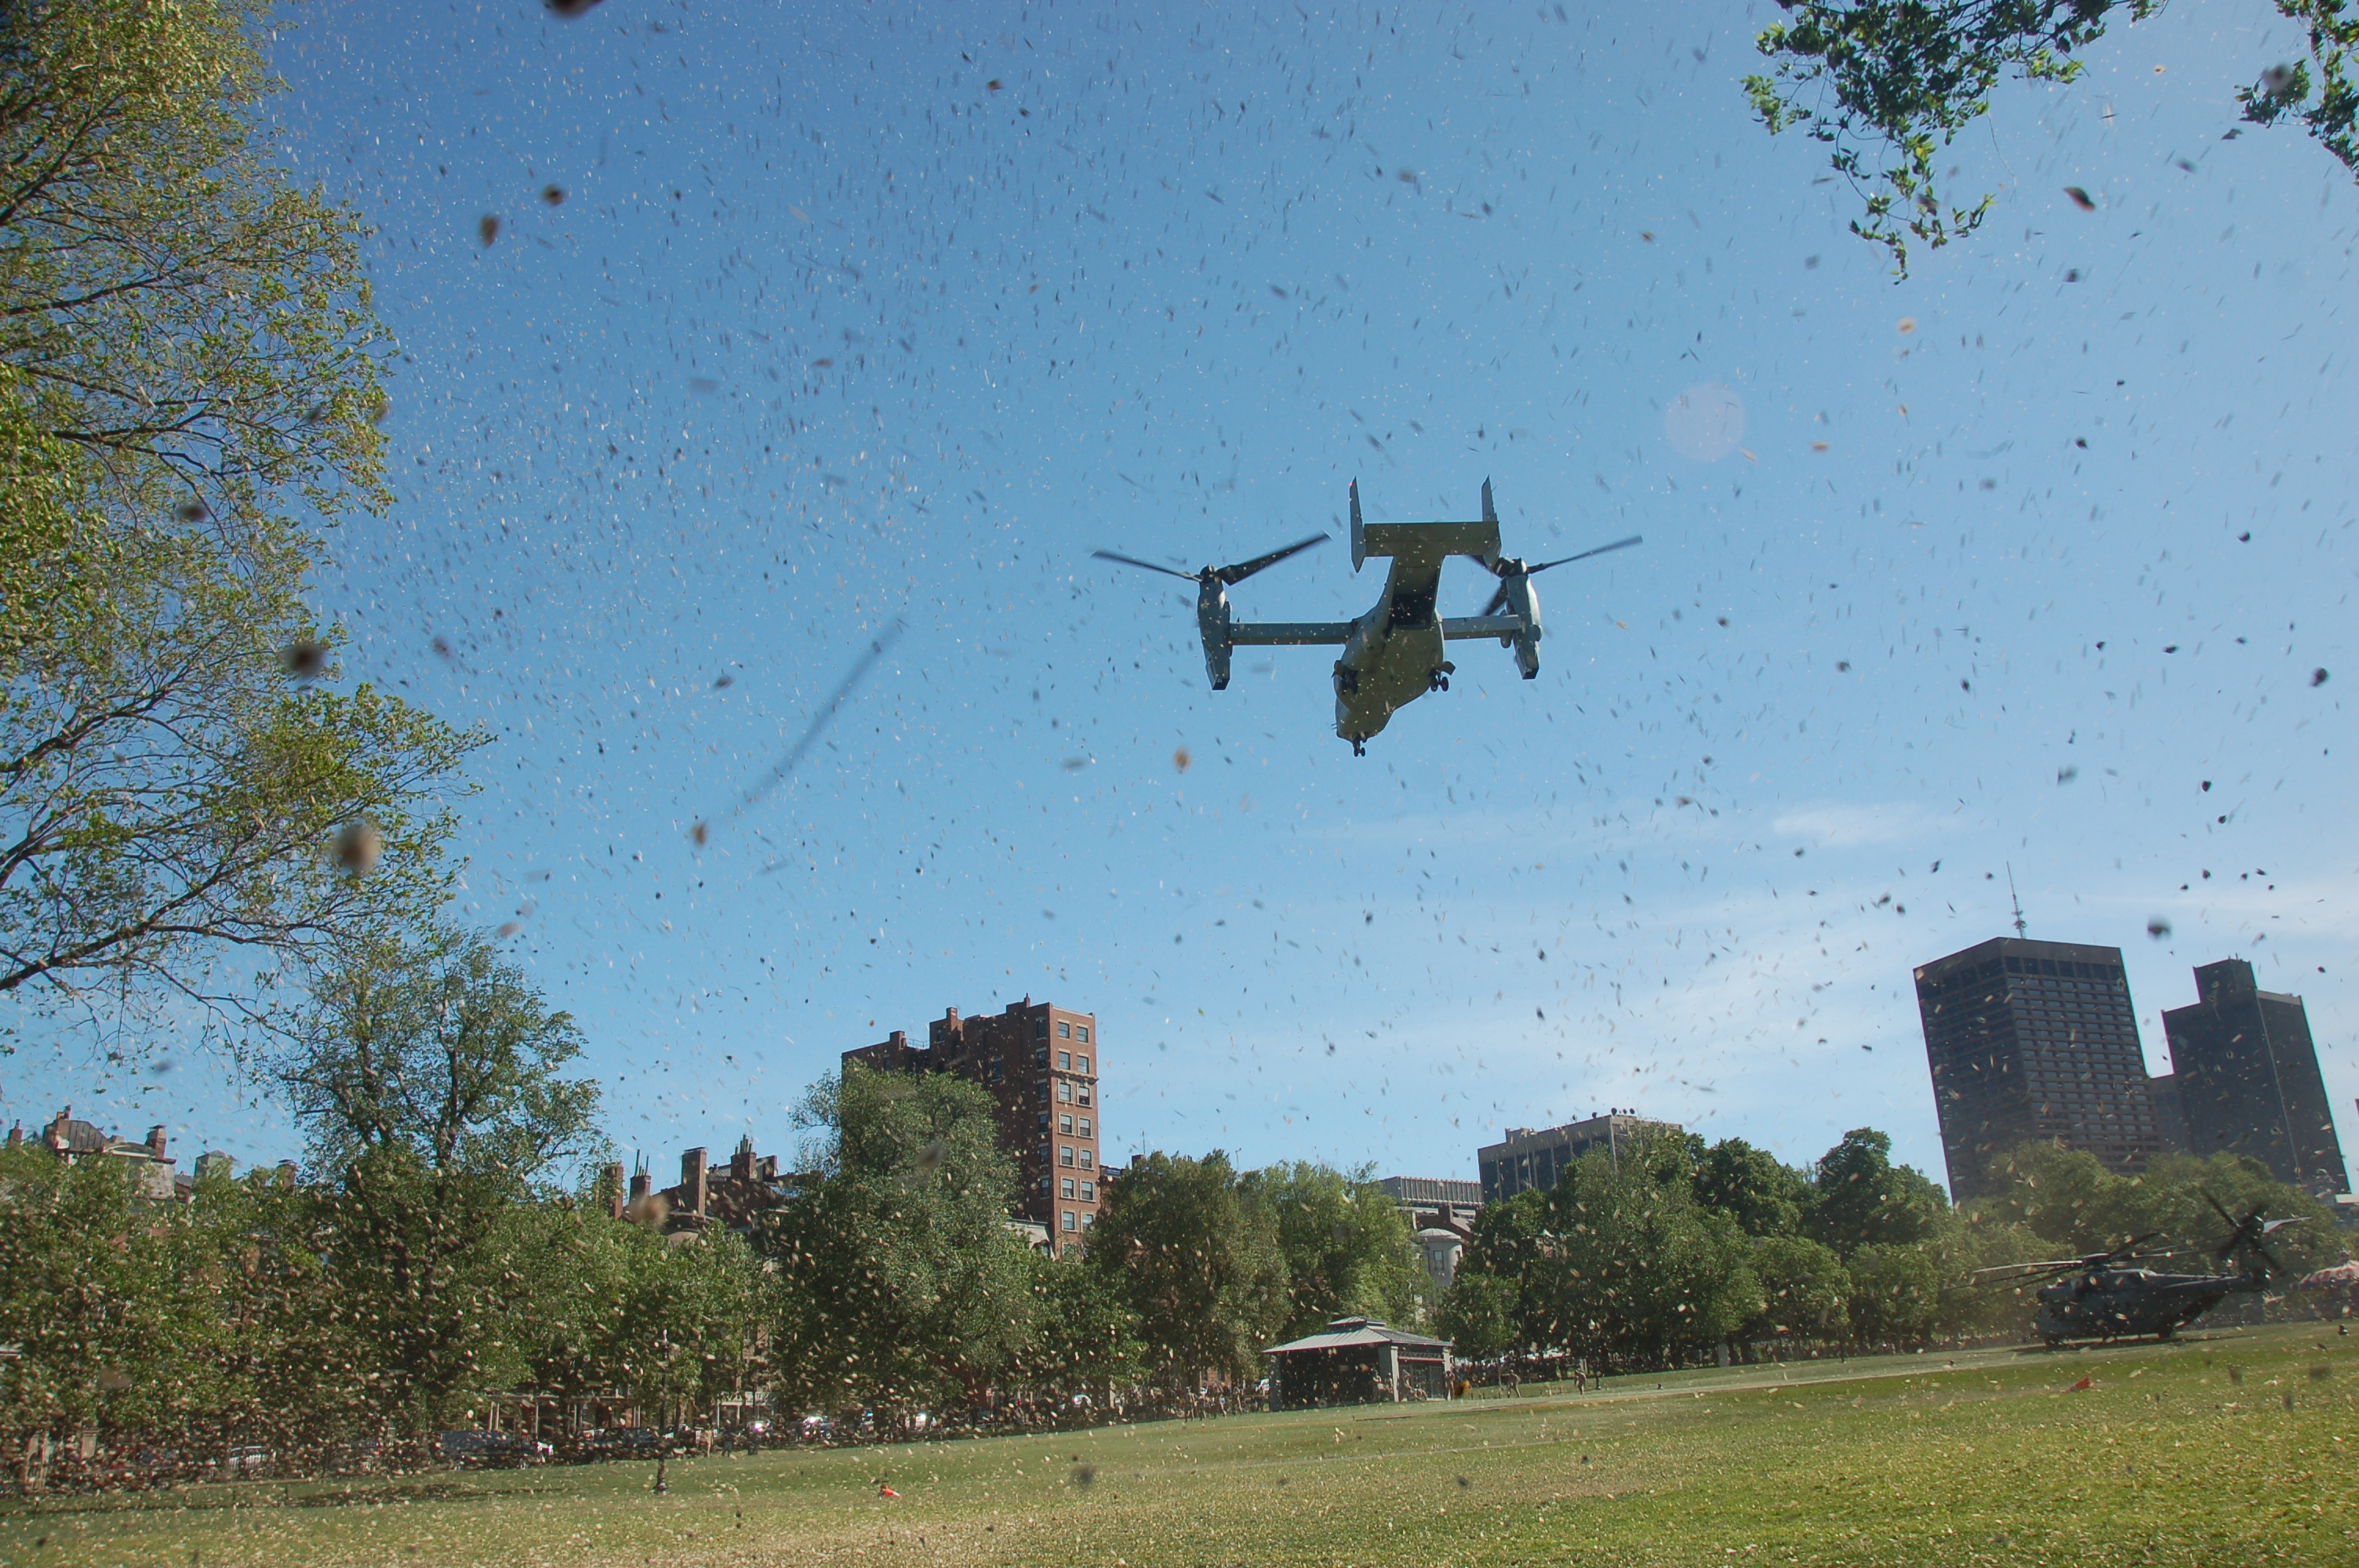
column 640, row 1183
column 610, row 1182
column 156, row 1142
column 741, row 1163
column 56, row 1135
column 15, row 1134
column 692, row 1182
column 286, row 1173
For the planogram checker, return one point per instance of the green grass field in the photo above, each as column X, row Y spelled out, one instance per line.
column 2226, row 1448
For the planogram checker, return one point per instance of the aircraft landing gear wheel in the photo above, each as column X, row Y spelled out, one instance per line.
column 1437, row 681
column 2050, row 1341
column 2166, row 1330
column 1359, row 747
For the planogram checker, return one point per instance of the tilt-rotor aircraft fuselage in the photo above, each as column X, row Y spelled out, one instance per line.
column 1397, row 651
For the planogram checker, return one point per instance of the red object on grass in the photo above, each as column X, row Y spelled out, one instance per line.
column 2079, row 1386
column 889, row 1492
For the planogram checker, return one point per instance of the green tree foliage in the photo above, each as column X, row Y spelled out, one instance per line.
column 1479, row 1313
column 902, row 1287
column 1644, row 1273
column 1503, row 1298
column 1347, row 1248
column 1805, row 1292
column 1860, row 1198
column 197, row 1328
column 1752, row 1187
column 88, row 1290
column 285, row 1363
column 188, row 370
column 596, row 1304
column 1896, row 1295
column 1084, row 1341
column 1199, row 1263
column 2075, row 1206
column 1888, row 84
column 431, row 1080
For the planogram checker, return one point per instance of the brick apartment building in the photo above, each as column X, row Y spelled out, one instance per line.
column 1040, row 1062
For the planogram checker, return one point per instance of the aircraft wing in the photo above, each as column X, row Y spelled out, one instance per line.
column 1288, row 633
column 1456, row 628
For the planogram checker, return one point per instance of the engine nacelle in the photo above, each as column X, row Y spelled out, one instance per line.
column 1213, row 618
column 1525, row 600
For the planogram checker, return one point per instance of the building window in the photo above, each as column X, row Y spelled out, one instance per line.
column 1085, row 1158
column 1086, row 1094
column 1064, row 1031
column 1069, row 1219
column 1064, row 1060
column 1044, row 1122
column 1086, row 1061
column 1089, row 1192
column 1065, row 1124
column 1065, row 1155
column 1069, row 1186
column 1064, row 1092
column 1085, row 1127
column 1084, row 1038
column 1088, row 1220
column 1040, row 1030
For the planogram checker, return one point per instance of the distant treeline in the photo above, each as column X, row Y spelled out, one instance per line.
column 431, row 1265
column 1675, row 1251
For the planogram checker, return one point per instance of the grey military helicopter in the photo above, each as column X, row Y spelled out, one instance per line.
column 1396, row 653
column 2110, row 1295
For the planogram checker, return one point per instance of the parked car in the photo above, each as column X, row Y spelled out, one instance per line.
column 489, row 1450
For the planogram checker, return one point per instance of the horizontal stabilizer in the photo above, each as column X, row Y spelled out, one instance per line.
column 1427, row 543
column 1287, row 633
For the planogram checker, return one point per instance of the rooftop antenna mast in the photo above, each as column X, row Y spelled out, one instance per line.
column 2017, row 901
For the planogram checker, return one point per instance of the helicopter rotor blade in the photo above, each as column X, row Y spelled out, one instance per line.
column 2046, row 1266
column 1602, row 549
column 1234, row 574
column 2133, row 1244
column 1150, row 566
column 1498, row 602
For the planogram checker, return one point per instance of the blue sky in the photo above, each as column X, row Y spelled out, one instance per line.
column 851, row 317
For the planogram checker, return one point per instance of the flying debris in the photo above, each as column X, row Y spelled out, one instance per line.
column 777, row 774
column 359, row 846
column 303, row 658
column 1393, row 655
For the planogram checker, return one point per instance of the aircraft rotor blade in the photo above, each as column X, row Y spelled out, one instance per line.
column 2052, row 1265
column 1232, row 576
column 1150, row 566
column 1567, row 560
column 1498, row 602
column 2133, row 1244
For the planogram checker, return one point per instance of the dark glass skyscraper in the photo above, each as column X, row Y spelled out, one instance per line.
column 2034, row 1040
column 2249, row 1081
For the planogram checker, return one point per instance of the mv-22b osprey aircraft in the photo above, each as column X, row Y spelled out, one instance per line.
column 1394, row 653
